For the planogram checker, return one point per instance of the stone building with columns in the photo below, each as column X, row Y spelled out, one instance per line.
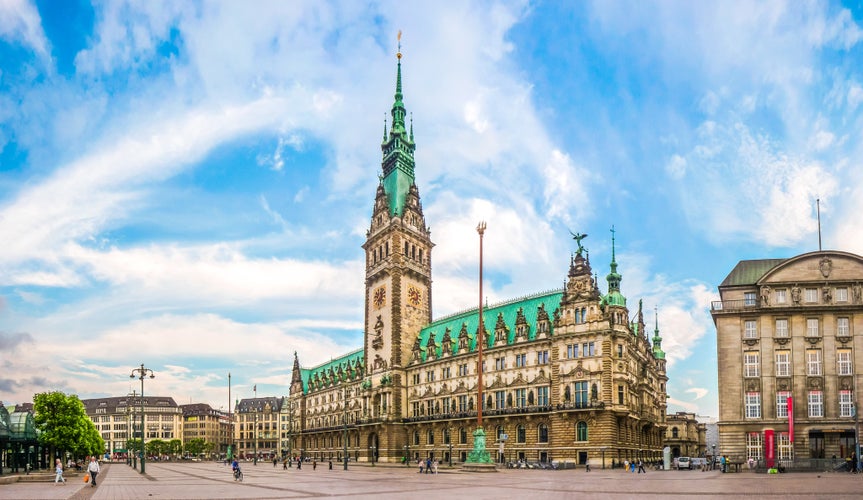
column 568, row 374
column 789, row 335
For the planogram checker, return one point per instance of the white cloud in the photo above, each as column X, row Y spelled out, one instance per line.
column 20, row 22
column 565, row 190
column 676, row 167
column 699, row 392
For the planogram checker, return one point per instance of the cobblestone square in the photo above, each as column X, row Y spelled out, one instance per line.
column 209, row 480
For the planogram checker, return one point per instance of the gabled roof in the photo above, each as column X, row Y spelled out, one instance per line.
column 748, row 272
column 529, row 306
column 354, row 361
column 257, row 405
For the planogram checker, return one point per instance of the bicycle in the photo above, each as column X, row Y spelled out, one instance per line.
column 238, row 475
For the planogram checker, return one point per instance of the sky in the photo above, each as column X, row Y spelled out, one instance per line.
column 188, row 184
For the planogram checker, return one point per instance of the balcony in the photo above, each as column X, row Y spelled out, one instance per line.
column 733, row 305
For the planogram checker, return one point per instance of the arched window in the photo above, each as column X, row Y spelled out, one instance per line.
column 462, row 435
column 416, row 437
column 520, row 434
column 500, row 433
column 542, row 432
column 674, row 434
column 581, row 431
column 431, row 436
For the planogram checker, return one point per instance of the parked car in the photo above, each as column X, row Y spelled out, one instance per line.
column 684, row 463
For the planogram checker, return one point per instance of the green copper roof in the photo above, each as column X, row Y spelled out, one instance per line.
column 614, row 297
column 346, row 367
column 748, row 272
column 529, row 306
column 398, row 151
column 658, row 353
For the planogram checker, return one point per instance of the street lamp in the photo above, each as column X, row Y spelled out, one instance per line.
column 142, row 372
column 713, row 465
column 450, row 454
column 346, row 427
column 373, row 454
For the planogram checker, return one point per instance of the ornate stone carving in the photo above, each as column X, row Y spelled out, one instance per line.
column 783, row 384
column 814, row 382
column 825, row 266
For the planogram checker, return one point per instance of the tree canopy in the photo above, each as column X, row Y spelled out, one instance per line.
column 64, row 424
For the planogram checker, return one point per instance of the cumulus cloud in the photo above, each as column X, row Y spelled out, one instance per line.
column 20, row 23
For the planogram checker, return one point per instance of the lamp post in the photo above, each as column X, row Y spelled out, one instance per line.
column 450, row 454
column 255, row 460
column 603, row 457
column 713, row 465
column 142, row 373
column 373, row 448
column 346, row 427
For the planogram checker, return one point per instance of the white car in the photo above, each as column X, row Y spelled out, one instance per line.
column 684, row 463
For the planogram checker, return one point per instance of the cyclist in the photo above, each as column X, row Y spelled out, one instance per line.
column 235, row 467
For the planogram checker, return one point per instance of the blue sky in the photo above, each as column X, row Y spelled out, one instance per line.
column 187, row 184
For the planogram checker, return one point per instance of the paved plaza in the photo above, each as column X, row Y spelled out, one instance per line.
column 209, row 480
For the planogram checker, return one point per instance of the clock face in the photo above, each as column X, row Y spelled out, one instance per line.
column 415, row 296
column 379, row 298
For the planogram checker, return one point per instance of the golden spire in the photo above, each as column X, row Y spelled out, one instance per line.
column 399, row 53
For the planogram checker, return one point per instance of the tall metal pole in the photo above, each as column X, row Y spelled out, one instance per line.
column 479, row 336
column 255, row 460
column 230, row 421
column 346, row 428
column 142, row 372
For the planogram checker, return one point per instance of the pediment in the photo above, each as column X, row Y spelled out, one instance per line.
column 816, row 267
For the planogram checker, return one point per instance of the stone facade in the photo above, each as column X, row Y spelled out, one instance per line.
column 686, row 436
column 113, row 417
column 568, row 374
column 201, row 421
column 789, row 336
column 257, row 427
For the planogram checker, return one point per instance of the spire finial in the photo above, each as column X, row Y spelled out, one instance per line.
column 399, row 37
column 612, row 243
column 385, row 126
column 412, row 127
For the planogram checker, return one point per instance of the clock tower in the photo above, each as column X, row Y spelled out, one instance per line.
column 398, row 267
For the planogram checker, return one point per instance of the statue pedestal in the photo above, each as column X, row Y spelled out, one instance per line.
column 479, row 459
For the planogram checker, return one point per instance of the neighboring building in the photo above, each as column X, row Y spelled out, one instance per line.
column 685, row 435
column 569, row 374
column 201, row 421
column 789, row 334
column 112, row 417
column 264, row 415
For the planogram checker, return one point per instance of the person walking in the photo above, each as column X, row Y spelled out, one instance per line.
column 93, row 469
column 58, row 468
column 586, row 465
column 275, row 461
column 434, row 466
column 641, row 467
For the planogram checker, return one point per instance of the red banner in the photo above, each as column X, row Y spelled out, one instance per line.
column 790, row 420
column 769, row 448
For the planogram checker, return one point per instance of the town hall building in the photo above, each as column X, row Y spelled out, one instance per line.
column 569, row 375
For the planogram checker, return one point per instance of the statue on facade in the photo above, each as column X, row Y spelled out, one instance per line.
column 765, row 295
column 795, row 295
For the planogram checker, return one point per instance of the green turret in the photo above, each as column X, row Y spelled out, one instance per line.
column 398, row 152
column 613, row 297
column 658, row 353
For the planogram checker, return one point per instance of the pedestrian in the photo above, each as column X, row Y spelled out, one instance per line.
column 420, row 463
column 299, row 463
column 275, row 461
column 285, row 464
column 315, row 464
column 434, row 466
column 93, row 469
column 58, row 468
column 428, row 465
column 586, row 465
column 641, row 467
column 632, row 466
column 626, row 465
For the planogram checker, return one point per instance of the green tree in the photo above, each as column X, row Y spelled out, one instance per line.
column 156, row 447
column 175, row 447
column 133, row 445
column 195, row 446
column 64, row 425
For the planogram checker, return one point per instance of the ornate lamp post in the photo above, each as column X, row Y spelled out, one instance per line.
column 346, row 427
column 479, row 455
column 142, row 373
